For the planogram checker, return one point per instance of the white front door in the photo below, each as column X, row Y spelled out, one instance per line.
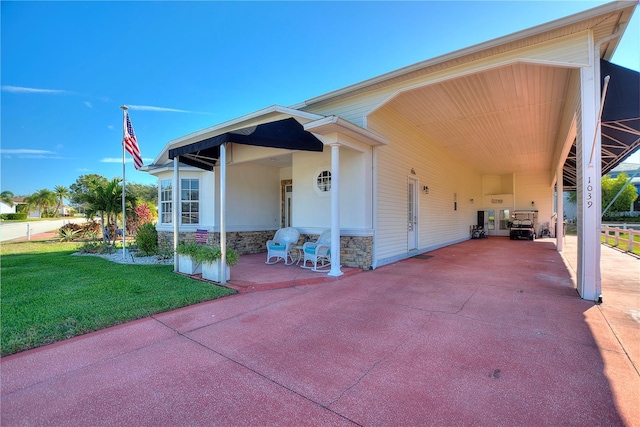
column 498, row 222
column 412, row 214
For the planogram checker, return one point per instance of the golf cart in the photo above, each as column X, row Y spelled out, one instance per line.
column 524, row 225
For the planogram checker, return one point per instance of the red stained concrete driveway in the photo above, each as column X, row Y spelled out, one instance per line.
column 487, row 332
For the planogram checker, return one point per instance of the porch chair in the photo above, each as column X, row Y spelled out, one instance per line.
column 318, row 252
column 281, row 245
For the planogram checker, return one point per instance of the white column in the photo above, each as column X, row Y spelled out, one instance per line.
column 589, row 188
column 175, row 191
column 335, row 211
column 559, row 207
column 223, row 214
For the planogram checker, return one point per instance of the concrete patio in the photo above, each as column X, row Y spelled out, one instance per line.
column 486, row 332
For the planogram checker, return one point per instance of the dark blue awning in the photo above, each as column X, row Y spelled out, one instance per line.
column 620, row 124
column 287, row 134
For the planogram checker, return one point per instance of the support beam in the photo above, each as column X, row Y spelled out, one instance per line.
column 335, row 211
column 223, row 214
column 589, row 188
column 559, row 207
column 174, row 212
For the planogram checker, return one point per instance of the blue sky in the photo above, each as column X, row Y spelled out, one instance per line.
column 182, row 66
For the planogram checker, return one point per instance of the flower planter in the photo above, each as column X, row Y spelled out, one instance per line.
column 187, row 265
column 211, row 271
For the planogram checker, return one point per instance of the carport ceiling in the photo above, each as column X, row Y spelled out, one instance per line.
column 498, row 121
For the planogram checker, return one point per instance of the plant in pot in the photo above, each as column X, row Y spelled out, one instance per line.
column 187, row 262
column 210, row 259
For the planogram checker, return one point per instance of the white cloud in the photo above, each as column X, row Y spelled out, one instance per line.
column 27, row 153
column 20, row 89
column 88, row 104
column 110, row 127
column 24, row 151
column 160, row 109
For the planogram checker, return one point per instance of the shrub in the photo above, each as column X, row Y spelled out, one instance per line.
column 20, row 216
column 96, row 247
column 67, row 234
column 147, row 239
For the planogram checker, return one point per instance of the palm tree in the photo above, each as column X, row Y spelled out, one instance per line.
column 7, row 197
column 61, row 192
column 105, row 200
column 42, row 199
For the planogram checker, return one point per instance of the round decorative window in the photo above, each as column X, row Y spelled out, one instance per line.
column 324, row 181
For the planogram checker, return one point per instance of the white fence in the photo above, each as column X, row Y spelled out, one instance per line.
column 614, row 233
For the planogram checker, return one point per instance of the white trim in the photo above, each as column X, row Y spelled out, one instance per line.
column 334, row 124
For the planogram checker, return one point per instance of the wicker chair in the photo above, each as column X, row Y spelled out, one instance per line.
column 318, row 253
column 281, row 245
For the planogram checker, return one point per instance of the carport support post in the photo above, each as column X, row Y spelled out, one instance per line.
column 335, row 211
column 589, row 186
column 223, row 214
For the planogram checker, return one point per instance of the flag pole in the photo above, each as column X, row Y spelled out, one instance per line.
column 124, row 185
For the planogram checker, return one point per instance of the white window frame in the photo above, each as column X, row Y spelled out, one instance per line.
column 166, row 203
column 190, row 200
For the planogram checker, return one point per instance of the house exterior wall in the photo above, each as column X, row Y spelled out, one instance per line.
column 312, row 208
column 534, row 187
column 253, row 197
column 438, row 223
column 5, row 208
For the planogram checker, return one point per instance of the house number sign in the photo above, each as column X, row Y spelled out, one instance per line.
column 496, row 201
column 589, row 194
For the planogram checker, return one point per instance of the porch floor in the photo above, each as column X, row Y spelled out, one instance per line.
column 251, row 274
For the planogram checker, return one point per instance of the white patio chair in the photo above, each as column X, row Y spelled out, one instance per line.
column 318, row 253
column 281, row 245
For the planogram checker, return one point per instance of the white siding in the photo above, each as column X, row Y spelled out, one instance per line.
column 439, row 224
column 535, row 187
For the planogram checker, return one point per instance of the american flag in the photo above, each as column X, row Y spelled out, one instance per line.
column 131, row 143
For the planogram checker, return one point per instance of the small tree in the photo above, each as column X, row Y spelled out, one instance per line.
column 611, row 187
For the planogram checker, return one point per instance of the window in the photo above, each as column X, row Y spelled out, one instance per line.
column 324, row 181
column 190, row 201
column 166, row 213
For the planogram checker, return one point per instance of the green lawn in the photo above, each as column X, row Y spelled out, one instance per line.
column 48, row 295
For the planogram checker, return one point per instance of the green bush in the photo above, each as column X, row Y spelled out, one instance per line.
column 147, row 239
column 14, row 216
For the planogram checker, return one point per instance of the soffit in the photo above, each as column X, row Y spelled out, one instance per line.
column 498, row 121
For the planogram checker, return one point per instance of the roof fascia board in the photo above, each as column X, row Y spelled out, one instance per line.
column 335, row 124
column 533, row 31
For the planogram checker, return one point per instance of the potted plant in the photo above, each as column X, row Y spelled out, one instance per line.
column 187, row 262
column 210, row 259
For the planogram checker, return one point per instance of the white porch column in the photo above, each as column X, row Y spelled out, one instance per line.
column 223, row 214
column 174, row 206
column 589, row 186
column 559, row 207
column 335, row 210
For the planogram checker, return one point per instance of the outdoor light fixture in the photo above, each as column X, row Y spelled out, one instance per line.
column 533, row 203
column 425, row 189
column 471, row 201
